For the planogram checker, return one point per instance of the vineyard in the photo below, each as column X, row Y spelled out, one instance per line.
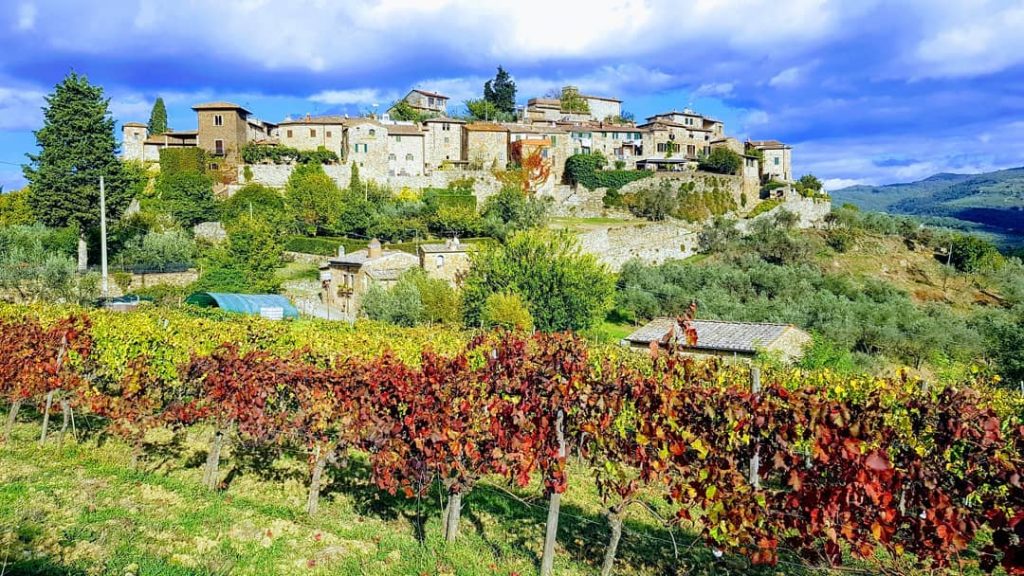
column 895, row 475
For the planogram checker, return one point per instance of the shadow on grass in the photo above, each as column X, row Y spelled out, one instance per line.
column 41, row 567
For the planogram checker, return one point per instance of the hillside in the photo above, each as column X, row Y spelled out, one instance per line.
column 992, row 202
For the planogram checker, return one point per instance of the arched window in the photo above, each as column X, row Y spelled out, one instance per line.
column 408, row 157
column 440, row 260
column 373, row 132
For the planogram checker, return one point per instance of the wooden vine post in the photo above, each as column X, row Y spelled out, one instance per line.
column 50, row 393
column 755, row 460
column 554, row 506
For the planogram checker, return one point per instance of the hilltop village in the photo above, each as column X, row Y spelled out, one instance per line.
column 391, row 151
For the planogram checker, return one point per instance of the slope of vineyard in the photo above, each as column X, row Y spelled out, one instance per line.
column 785, row 469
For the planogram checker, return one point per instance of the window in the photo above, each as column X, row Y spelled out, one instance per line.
column 372, row 132
column 662, row 147
column 312, row 133
column 691, row 149
column 446, row 127
column 776, row 160
column 398, row 138
column 289, row 133
column 445, row 139
column 328, row 133
column 408, row 157
column 218, row 120
column 392, row 157
column 439, row 260
column 135, row 136
column 554, row 139
column 218, row 147
column 359, row 147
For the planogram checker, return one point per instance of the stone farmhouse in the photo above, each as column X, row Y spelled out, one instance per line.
column 385, row 149
column 345, row 278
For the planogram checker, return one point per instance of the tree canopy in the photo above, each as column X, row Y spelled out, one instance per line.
column 501, row 92
column 564, row 288
column 158, row 117
column 77, row 146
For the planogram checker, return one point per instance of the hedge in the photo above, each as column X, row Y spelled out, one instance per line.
column 175, row 160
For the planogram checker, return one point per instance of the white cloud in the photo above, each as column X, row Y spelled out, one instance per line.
column 21, row 108
column 26, row 16
column 970, row 37
column 714, row 90
column 837, row 183
column 356, row 96
column 787, row 78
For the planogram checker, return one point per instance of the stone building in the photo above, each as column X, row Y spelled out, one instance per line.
column 778, row 159
column 449, row 261
column 667, row 139
column 223, row 129
column 553, row 142
column 442, row 142
column 742, row 340
column 485, row 145
column 613, row 141
column 430, row 103
column 345, row 278
column 133, row 134
column 405, row 150
column 551, row 109
column 312, row 132
column 366, row 144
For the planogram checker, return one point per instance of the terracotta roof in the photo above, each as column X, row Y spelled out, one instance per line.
column 602, row 98
column 313, row 120
column 428, row 93
column 532, row 129
column 746, row 337
column 134, row 125
column 361, row 257
column 444, row 119
column 361, row 120
column 485, row 127
column 768, row 144
column 403, row 130
column 671, row 124
column 545, row 102
column 219, row 106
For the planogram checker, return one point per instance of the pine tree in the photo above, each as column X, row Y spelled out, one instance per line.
column 501, row 91
column 158, row 117
column 77, row 146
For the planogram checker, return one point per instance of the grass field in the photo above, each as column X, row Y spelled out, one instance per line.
column 81, row 509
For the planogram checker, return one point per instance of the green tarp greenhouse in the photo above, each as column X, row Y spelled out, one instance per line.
column 243, row 303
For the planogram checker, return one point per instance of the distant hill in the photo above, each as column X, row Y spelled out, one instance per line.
column 992, row 202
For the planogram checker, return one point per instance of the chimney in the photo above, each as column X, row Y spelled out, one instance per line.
column 341, row 250
column 374, row 250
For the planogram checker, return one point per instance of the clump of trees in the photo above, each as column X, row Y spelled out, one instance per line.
column 563, row 287
column 415, row 299
column 721, row 160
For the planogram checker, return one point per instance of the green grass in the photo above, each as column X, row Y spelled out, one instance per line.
column 298, row 271
column 82, row 510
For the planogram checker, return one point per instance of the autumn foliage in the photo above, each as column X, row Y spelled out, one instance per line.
column 846, row 467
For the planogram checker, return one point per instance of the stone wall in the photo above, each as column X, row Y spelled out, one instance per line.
column 811, row 211
column 651, row 242
column 276, row 176
column 155, row 279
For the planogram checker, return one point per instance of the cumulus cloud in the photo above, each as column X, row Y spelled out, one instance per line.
column 20, row 108
column 971, row 38
column 26, row 16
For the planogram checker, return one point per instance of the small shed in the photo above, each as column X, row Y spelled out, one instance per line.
column 726, row 339
column 255, row 304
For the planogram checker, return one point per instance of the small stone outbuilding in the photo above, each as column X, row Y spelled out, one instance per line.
column 726, row 339
column 345, row 278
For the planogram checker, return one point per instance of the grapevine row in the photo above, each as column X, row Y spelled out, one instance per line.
column 808, row 463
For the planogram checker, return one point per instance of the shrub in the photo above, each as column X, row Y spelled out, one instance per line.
column 720, row 236
column 178, row 160
column 246, row 263
column 512, row 210
column 187, row 196
column 764, row 206
column 586, row 170
column 564, row 288
column 272, row 154
column 972, row 254
column 312, row 198
column 258, row 201
column 14, row 208
column 653, row 202
column 167, row 251
column 507, row 311
column 721, row 160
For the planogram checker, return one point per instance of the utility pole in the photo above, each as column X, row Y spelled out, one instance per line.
column 103, row 236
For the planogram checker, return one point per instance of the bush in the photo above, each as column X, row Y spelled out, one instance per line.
column 14, row 208
column 720, row 236
column 507, row 311
column 31, row 270
column 312, row 198
column 179, row 160
column 258, row 201
column 272, row 154
column 167, row 251
column 721, row 160
column 246, row 263
column 653, row 202
column 972, row 254
column 564, row 288
column 586, row 170
column 764, row 206
column 511, row 210
column 187, row 196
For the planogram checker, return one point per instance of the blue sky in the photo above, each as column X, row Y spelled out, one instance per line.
column 865, row 90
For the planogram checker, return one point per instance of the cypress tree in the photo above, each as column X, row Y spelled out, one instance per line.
column 76, row 146
column 501, row 91
column 158, row 117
